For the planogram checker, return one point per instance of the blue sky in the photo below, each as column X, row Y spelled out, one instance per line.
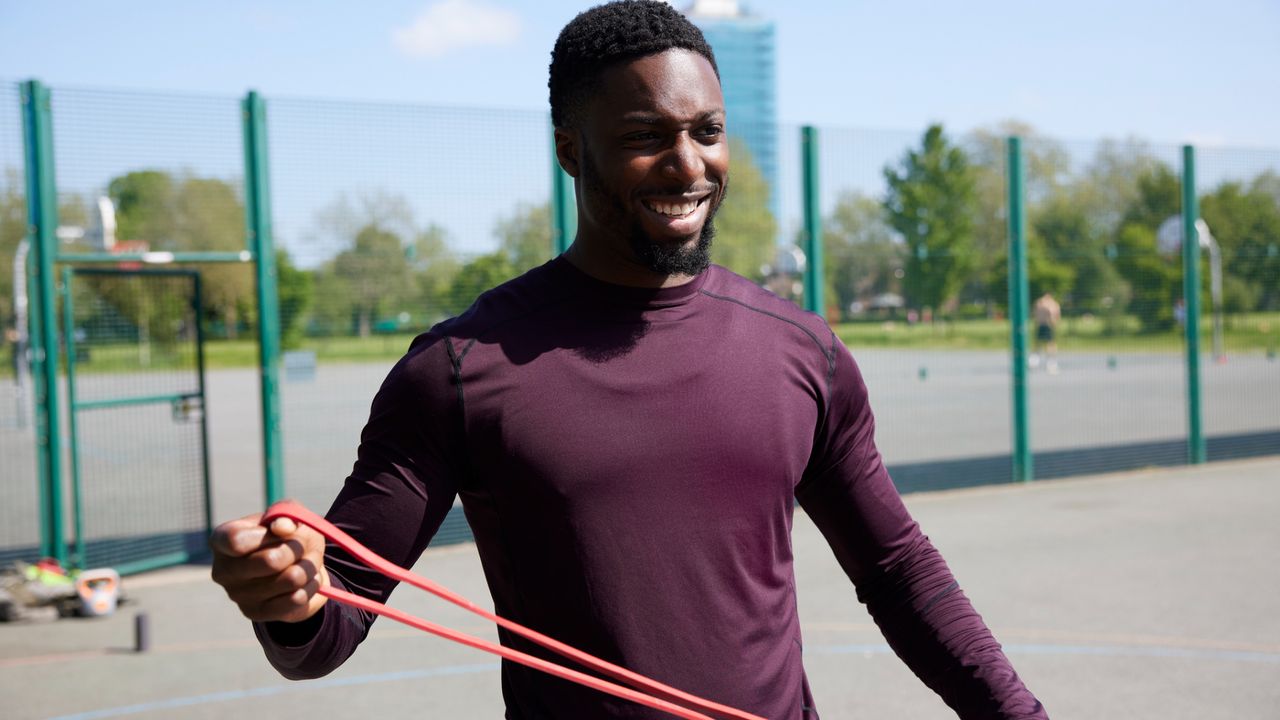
column 1171, row 71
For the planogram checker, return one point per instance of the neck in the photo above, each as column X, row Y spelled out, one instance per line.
column 611, row 268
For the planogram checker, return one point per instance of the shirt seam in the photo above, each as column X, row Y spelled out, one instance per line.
column 828, row 355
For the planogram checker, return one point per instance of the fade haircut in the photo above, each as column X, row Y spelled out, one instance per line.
column 607, row 35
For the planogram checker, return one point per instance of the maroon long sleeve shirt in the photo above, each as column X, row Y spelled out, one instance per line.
column 628, row 460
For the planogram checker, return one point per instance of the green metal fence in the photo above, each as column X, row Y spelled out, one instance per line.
column 1107, row 393
column 19, row 497
column 136, row 421
column 913, row 270
column 136, row 180
column 388, row 218
column 1239, row 197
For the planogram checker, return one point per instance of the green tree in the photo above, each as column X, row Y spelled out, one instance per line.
column 331, row 312
column 863, row 259
column 386, row 264
column 525, row 236
column 930, row 203
column 210, row 218
column 482, row 273
column 746, row 231
column 1110, row 183
column 146, row 207
column 434, row 268
column 13, row 228
column 1046, row 166
column 375, row 274
column 1245, row 220
column 1068, row 257
column 189, row 214
column 296, row 288
column 1155, row 279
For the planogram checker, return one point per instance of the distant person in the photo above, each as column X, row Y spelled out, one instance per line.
column 629, row 429
column 14, row 341
column 1046, row 313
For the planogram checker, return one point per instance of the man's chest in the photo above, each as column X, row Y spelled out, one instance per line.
column 705, row 425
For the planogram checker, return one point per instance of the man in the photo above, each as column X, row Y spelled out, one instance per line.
column 1046, row 313
column 627, row 428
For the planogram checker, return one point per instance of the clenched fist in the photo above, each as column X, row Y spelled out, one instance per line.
column 272, row 573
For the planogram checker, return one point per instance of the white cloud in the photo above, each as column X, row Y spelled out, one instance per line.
column 452, row 24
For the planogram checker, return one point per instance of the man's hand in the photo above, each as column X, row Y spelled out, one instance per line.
column 272, row 573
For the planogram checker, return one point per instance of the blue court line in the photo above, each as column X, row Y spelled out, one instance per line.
column 1094, row 650
column 308, row 686
column 855, row 649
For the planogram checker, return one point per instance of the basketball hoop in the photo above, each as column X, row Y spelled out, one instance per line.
column 1169, row 241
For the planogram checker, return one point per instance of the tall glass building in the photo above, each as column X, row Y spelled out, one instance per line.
column 744, row 46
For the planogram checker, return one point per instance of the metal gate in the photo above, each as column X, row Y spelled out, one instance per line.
column 137, row 426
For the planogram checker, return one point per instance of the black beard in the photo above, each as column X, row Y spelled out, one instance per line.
column 672, row 259
column 663, row 258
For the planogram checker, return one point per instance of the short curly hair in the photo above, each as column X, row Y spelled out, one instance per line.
column 610, row 34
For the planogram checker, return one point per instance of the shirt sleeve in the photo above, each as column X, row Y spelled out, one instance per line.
column 403, row 484
column 899, row 575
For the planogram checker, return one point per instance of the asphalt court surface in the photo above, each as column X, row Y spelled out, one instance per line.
column 1140, row 595
column 929, row 405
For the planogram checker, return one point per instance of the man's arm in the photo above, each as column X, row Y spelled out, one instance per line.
column 899, row 575
column 402, row 486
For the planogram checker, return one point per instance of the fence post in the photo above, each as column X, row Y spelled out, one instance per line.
column 262, row 245
column 564, row 211
column 73, row 438
column 42, row 220
column 1191, row 298
column 1019, row 299
column 813, row 275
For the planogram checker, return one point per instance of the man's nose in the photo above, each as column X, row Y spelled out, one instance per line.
column 684, row 161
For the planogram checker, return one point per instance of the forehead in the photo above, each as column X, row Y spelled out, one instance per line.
column 673, row 83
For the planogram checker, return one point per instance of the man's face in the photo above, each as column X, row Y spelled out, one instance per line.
column 653, row 164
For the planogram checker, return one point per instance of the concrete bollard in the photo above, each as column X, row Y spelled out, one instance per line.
column 141, row 633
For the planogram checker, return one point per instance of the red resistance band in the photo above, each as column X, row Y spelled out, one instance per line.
column 647, row 692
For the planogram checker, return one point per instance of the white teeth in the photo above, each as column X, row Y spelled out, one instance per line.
column 673, row 210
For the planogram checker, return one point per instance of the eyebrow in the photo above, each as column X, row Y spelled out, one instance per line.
column 645, row 118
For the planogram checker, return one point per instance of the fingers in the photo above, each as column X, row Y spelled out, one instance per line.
column 273, row 597
column 271, row 572
column 238, row 537
column 273, row 557
column 292, row 606
column 287, row 598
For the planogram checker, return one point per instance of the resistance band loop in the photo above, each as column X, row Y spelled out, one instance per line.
column 655, row 694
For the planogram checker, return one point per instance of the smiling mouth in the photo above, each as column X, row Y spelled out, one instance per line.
column 675, row 209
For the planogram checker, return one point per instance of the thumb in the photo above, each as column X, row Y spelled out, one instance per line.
column 283, row 527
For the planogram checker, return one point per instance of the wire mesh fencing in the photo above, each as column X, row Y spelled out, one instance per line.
column 19, row 483
column 139, row 489
column 1108, row 378
column 1239, row 197
column 914, row 231
column 397, row 217
column 390, row 218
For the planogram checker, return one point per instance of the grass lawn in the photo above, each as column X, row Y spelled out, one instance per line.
column 1241, row 333
column 1252, row 332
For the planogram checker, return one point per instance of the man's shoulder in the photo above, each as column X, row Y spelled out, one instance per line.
column 518, row 298
column 729, row 287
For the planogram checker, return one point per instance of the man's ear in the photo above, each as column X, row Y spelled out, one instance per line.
column 568, row 150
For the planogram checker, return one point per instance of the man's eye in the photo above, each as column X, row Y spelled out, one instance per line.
column 641, row 136
column 712, row 131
